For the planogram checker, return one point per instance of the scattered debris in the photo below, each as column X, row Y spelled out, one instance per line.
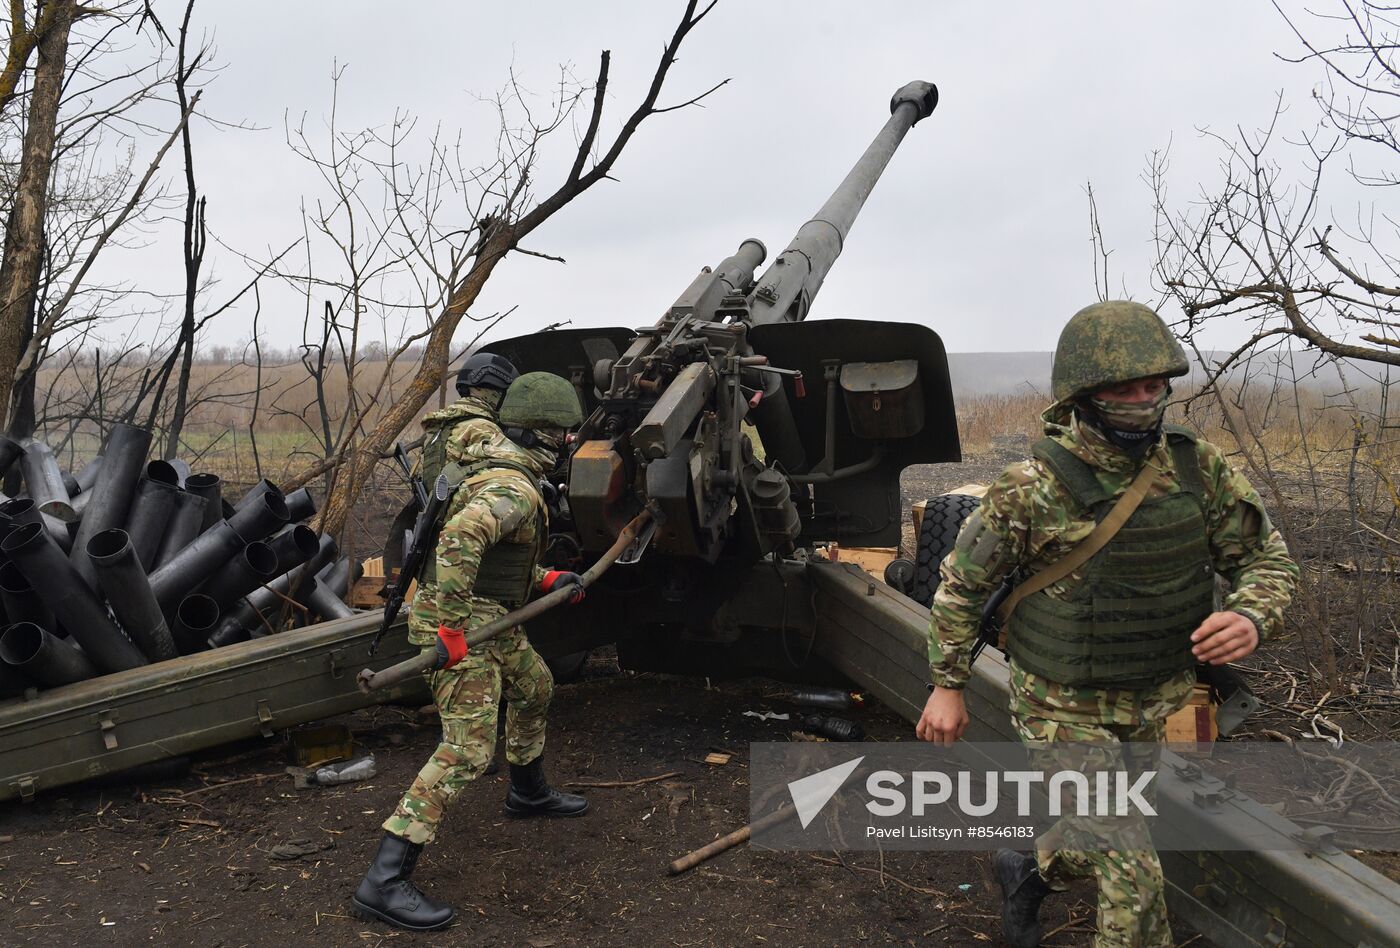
column 741, row 835
column 320, row 744
column 830, row 726
column 718, row 760
column 767, row 715
column 833, row 698
column 350, row 771
column 299, row 847
column 609, row 784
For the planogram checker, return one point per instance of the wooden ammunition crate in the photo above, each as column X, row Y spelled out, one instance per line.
column 872, row 559
column 1194, row 723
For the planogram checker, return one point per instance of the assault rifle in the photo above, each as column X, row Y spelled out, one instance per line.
column 422, row 544
column 989, row 630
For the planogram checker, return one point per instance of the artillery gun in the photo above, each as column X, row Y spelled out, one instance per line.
column 752, row 434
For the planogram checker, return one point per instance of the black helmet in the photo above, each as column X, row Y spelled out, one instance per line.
column 486, row 370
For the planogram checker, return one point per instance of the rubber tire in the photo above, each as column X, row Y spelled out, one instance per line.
column 567, row 669
column 943, row 518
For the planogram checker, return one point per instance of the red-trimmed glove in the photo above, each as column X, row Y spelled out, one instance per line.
column 451, row 646
column 555, row 578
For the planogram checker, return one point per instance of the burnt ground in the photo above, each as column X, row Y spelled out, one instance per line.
column 190, row 860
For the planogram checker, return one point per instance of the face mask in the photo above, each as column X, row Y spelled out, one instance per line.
column 1131, row 417
column 1132, row 427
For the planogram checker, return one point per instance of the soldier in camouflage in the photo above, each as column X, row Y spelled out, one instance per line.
column 486, row 564
column 448, row 436
column 1106, row 654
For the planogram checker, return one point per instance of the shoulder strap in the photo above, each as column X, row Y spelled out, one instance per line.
column 1182, row 442
column 1077, row 476
column 456, row 472
column 1087, row 547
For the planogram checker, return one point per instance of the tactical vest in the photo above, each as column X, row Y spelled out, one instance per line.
column 435, row 447
column 507, row 569
column 1128, row 623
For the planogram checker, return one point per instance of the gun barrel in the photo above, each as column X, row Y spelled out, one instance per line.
column 785, row 292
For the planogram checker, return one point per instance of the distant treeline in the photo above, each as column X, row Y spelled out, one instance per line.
column 246, row 353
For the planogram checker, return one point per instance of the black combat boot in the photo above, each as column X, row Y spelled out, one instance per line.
column 386, row 894
column 531, row 795
column 1022, row 890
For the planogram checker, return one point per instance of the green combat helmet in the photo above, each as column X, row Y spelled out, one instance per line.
column 1113, row 342
column 540, row 400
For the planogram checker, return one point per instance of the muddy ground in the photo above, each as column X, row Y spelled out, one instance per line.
column 191, row 860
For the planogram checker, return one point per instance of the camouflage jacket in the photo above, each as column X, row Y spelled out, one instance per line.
column 1027, row 519
column 495, row 505
column 471, row 420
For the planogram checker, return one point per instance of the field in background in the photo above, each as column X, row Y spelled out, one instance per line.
column 250, row 423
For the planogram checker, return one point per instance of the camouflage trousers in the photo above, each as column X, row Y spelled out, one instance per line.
column 1132, row 908
column 467, row 696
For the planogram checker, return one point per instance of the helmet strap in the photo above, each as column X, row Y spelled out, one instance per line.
column 525, row 437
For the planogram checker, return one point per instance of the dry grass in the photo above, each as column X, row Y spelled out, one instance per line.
column 243, row 422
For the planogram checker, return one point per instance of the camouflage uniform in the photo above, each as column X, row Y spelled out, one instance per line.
column 469, row 421
column 1028, row 520
column 498, row 504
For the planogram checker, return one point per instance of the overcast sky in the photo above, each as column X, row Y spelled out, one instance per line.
column 978, row 229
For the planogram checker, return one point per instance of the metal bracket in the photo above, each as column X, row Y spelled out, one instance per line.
column 1317, row 839
column 336, row 661
column 637, row 547
column 107, row 723
column 1212, row 891
column 265, row 717
column 1209, row 800
column 1187, row 771
column 26, row 788
column 1233, row 711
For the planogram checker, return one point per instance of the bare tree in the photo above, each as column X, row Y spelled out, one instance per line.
column 448, row 264
column 74, row 195
column 1260, row 246
column 25, row 246
column 24, row 38
column 1262, row 254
